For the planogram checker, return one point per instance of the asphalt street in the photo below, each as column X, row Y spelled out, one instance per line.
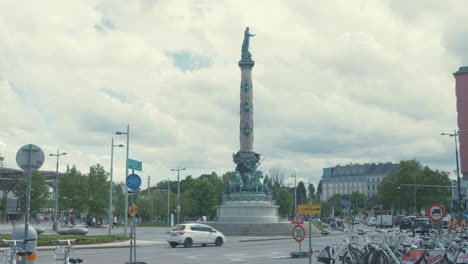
column 153, row 248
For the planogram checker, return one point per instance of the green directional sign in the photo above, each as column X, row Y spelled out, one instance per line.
column 134, row 164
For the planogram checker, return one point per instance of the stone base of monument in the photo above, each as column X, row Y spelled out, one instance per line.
column 247, row 208
column 247, row 212
column 250, row 214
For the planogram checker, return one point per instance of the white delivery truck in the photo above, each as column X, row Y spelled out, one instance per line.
column 384, row 221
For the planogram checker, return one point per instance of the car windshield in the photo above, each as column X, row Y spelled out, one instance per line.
column 421, row 222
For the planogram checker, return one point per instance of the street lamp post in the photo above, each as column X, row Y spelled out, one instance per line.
column 111, row 187
column 178, row 191
column 456, row 134
column 126, row 174
column 295, row 193
column 168, row 223
column 54, row 227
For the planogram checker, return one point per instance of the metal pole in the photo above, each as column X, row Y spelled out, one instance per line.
column 131, row 233
column 149, row 197
column 168, row 204
column 178, row 195
column 111, row 185
column 28, row 196
column 458, row 176
column 415, row 201
column 55, row 227
column 178, row 191
column 455, row 135
column 310, row 240
column 295, row 194
column 126, row 174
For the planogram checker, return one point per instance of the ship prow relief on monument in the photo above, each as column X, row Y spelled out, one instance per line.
column 247, row 197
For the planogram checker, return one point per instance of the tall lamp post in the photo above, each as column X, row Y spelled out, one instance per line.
column 178, row 191
column 168, row 181
column 54, row 227
column 456, row 134
column 111, row 187
column 126, row 174
column 295, row 193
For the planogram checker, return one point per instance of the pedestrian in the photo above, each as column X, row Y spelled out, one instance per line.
column 93, row 222
column 114, row 223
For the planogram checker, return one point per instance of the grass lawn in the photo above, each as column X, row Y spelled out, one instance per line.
column 44, row 240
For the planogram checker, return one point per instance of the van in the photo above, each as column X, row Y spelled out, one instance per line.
column 384, row 221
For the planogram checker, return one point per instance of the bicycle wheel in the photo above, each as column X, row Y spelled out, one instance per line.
column 353, row 256
column 377, row 256
column 423, row 261
column 7, row 255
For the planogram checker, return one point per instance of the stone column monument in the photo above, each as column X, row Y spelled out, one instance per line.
column 247, row 198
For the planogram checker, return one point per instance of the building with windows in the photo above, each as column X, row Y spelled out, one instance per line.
column 351, row 178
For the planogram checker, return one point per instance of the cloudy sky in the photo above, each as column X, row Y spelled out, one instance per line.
column 335, row 82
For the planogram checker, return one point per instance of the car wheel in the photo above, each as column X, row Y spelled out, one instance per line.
column 203, row 245
column 219, row 241
column 188, row 242
column 173, row 244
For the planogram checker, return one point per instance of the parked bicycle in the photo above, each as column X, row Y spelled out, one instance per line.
column 15, row 254
column 63, row 251
column 348, row 252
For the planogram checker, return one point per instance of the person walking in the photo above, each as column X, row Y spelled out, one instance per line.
column 114, row 223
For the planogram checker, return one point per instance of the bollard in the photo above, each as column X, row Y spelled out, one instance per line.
column 18, row 234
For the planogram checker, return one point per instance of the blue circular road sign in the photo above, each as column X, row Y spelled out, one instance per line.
column 133, row 181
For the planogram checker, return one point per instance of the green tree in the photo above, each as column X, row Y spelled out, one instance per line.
column 311, row 189
column 319, row 189
column 205, row 197
column 301, row 193
column 218, row 186
column 285, row 202
column 277, row 181
column 72, row 191
column 398, row 189
column 98, row 190
column 39, row 192
column 118, row 199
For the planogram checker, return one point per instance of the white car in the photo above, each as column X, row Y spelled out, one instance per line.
column 194, row 233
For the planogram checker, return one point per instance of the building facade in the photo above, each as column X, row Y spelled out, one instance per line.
column 351, row 178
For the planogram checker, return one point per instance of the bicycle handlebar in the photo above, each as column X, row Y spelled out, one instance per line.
column 17, row 240
column 60, row 241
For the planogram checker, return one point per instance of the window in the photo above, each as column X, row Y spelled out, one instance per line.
column 179, row 227
column 204, row 228
column 195, row 227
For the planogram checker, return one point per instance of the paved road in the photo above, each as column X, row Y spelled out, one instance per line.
column 153, row 248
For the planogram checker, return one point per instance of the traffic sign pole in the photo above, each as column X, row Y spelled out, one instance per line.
column 310, row 241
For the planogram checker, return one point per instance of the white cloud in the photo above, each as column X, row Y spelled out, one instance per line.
column 334, row 83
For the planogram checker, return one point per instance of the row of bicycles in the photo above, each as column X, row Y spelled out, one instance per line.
column 14, row 254
column 397, row 247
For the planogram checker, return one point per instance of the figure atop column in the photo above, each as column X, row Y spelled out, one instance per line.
column 245, row 45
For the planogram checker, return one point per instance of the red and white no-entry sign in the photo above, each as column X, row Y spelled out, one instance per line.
column 298, row 233
column 436, row 212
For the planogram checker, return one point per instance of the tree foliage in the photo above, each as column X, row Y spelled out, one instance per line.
column 276, row 176
column 301, row 193
column 285, row 202
column 311, row 189
column 98, row 190
column 73, row 191
column 39, row 192
column 397, row 190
